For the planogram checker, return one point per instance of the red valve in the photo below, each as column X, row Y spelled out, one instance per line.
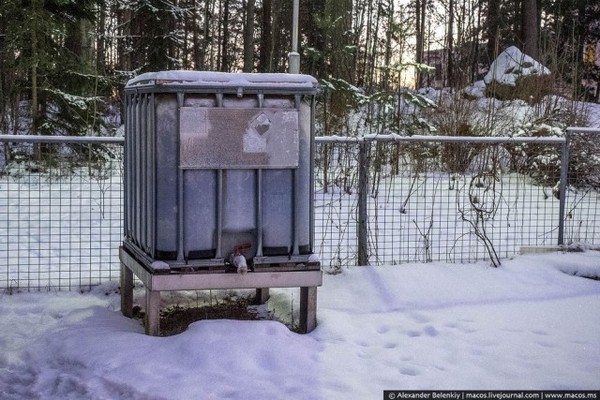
column 241, row 247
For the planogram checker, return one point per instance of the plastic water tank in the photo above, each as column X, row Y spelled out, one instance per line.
column 217, row 163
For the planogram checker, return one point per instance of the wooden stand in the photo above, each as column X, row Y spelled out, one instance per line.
column 307, row 278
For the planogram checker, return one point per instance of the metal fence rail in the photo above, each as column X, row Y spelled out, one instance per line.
column 378, row 200
column 60, row 211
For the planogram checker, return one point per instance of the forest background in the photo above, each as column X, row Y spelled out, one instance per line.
column 63, row 63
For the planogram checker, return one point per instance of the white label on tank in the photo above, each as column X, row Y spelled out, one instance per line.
column 255, row 138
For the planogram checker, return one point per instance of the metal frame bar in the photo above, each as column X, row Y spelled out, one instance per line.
column 363, row 193
column 311, row 209
column 259, row 213
column 126, row 178
column 180, row 187
column 219, row 244
column 137, row 161
column 259, row 202
column 143, row 184
column 564, row 182
column 153, row 174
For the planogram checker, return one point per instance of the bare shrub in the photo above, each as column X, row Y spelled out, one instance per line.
column 457, row 117
column 484, row 196
column 543, row 162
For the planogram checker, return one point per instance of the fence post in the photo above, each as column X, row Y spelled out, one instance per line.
column 564, row 177
column 363, row 195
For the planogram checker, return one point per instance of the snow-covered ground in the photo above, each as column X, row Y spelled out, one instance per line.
column 531, row 324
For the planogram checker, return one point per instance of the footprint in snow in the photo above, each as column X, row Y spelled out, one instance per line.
column 431, row 331
column 420, row 318
column 383, row 329
column 409, row 371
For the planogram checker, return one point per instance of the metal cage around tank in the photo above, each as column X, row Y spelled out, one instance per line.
column 215, row 161
column 219, row 165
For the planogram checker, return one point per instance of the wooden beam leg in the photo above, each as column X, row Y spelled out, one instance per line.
column 152, row 312
column 126, row 291
column 262, row 295
column 308, row 309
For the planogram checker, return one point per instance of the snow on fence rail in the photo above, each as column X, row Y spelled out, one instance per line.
column 441, row 139
column 379, row 200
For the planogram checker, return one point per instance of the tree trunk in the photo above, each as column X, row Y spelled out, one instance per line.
column 225, row 38
column 476, row 49
column 4, row 95
column 316, row 38
column 530, row 28
column 77, row 41
column 206, row 38
column 375, row 42
column 34, row 74
column 388, row 47
column 185, row 49
column 340, row 11
column 273, row 60
column 266, row 38
column 493, row 29
column 579, row 39
column 125, row 40
column 249, row 37
column 450, row 61
column 101, row 41
column 420, row 11
column 362, row 35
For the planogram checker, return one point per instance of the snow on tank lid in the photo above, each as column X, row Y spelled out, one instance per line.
column 224, row 80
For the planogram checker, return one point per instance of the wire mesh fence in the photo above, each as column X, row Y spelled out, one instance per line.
column 60, row 212
column 379, row 200
column 336, row 202
column 582, row 216
column 450, row 199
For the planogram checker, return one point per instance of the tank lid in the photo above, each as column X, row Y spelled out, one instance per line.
column 221, row 80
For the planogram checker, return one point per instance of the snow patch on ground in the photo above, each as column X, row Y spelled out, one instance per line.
column 476, row 90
